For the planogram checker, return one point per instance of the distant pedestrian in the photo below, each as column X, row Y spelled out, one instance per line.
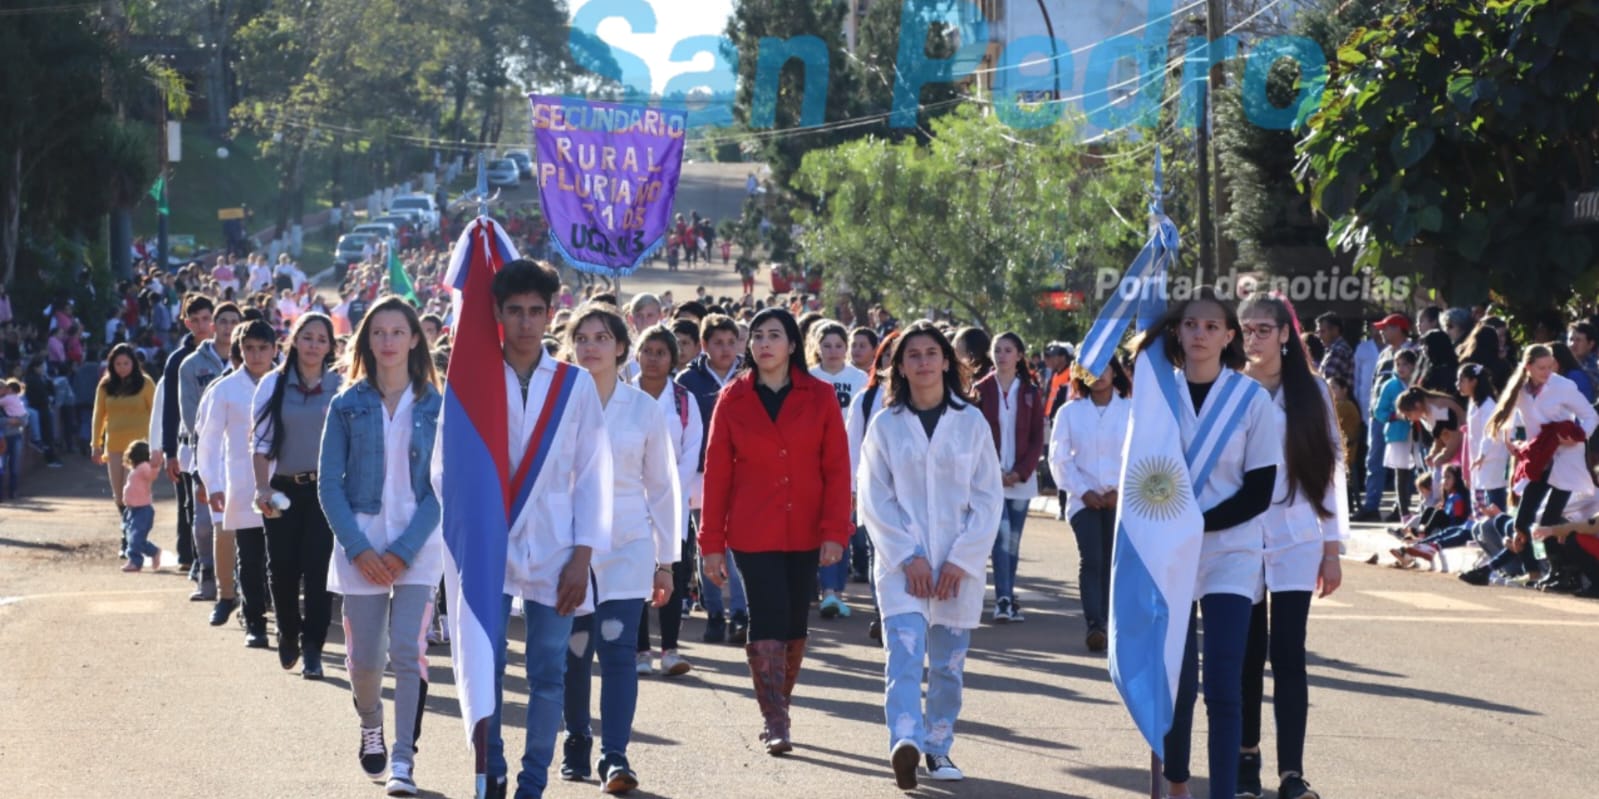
column 138, row 514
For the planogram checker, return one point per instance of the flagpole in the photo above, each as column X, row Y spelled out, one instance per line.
column 1154, row 776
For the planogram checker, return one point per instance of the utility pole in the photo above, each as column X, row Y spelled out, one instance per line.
column 1210, row 186
column 162, row 245
column 1216, row 23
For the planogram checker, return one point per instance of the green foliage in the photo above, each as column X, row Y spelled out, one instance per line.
column 1462, row 125
column 977, row 223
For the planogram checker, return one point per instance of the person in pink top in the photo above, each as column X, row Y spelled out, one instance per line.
column 138, row 514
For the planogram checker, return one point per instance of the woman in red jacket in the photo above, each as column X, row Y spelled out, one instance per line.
column 776, row 495
column 1010, row 399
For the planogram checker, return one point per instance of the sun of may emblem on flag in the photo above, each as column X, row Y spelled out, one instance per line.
column 1153, row 488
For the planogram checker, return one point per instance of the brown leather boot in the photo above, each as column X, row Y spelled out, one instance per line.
column 794, row 652
column 768, row 670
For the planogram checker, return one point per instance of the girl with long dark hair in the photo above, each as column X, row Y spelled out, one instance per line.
column 122, row 405
column 373, row 481
column 930, row 494
column 1441, row 415
column 972, row 346
column 1304, row 533
column 787, row 511
column 290, row 409
column 1487, row 455
column 1201, row 340
column 857, row 419
column 1011, row 400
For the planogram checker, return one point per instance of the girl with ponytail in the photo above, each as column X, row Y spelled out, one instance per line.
column 1304, row 534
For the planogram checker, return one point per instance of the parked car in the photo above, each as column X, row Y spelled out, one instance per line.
column 382, row 230
column 403, row 222
column 504, row 172
column 419, row 202
column 349, row 250
column 524, row 162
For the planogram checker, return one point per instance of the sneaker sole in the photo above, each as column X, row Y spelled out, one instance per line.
column 945, row 778
column 679, row 670
column 380, row 777
column 620, row 784
column 905, row 760
column 401, row 789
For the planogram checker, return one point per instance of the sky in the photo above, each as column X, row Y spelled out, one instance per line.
column 675, row 21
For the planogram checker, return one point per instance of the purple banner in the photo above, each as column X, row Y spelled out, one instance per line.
column 607, row 174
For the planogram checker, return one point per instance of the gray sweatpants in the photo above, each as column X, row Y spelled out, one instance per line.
column 390, row 629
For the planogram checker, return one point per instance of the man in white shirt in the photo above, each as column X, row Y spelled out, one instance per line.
column 567, row 515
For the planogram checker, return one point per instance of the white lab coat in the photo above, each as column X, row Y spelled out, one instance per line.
column 941, row 498
column 646, row 525
column 1232, row 561
column 687, row 437
column 856, row 421
column 570, row 502
column 1560, row 401
column 1295, row 533
column 1085, row 448
column 157, row 404
column 1495, row 470
column 223, row 453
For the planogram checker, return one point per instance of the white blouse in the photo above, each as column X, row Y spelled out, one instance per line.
column 1232, row 561
column 222, row 450
column 1085, row 448
column 856, row 421
column 1009, row 402
column 1560, row 401
column 1495, row 469
column 687, row 437
column 1295, row 533
column 388, row 524
column 647, row 517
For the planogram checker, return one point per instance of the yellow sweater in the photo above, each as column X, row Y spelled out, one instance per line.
column 120, row 421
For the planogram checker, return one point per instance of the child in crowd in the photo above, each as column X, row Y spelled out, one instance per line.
column 138, row 513
column 1447, row 525
column 1424, row 492
column 1453, row 509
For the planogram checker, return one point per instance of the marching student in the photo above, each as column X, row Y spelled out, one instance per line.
column 1558, row 419
column 777, row 498
column 564, row 522
column 857, row 419
column 1305, row 529
column 197, row 313
column 826, row 351
column 1010, row 399
column 290, row 409
column 1085, row 455
column 646, row 522
column 196, row 372
column 657, row 353
column 930, row 494
column 224, row 460
column 863, row 343
column 1201, row 337
column 373, row 484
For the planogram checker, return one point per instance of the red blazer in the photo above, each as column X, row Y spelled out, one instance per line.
column 781, row 487
column 1029, row 422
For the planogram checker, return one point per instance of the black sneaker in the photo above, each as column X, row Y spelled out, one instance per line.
column 374, row 754
column 904, row 760
column 619, row 779
column 255, row 636
column 1366, row 517
column 288, row 651
column 1295, row 787
column 875, row 631
column 941, row 768
column 715, row 629
column 1477, row 576
column 575, row 757
column 222, row 610
column 1248, row 776
column 738, row 630
column 312, row 670
column 497, row 787
column 1016, row 616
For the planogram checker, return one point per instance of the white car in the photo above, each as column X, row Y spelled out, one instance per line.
column 419, row 202
column 504, row 172
column 524, row 162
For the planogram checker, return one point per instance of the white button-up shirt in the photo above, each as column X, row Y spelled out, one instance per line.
column 1085, row 448
column 647, row 520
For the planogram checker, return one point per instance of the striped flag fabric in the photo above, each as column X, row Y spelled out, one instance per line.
column 474, row 477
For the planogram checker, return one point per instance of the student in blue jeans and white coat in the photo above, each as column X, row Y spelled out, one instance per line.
column 374, row 487
column 930, row 492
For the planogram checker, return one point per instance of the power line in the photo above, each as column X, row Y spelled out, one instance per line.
column 61, row 9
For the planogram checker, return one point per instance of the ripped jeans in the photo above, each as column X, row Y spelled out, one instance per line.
column 615, row 643
column 912, row 643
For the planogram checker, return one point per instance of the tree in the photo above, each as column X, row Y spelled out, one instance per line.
column 977, row 223
column 1464, row 126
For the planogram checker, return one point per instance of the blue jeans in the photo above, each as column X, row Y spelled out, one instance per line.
column 547, row 634
column 617, row 622
column 1008, row 547
column 911, row 644
column 13, row 463
column 1376, row 475
column 136, row 523
column 1226, row 640
column 860, row 546
column 1095, row 531
column 711, row 594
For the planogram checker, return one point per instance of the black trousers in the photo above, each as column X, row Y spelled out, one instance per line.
column 672, row 611
column 299, row 544
column 250, row 544
column 185, row 491
column 779, row 587
column 1284, row 641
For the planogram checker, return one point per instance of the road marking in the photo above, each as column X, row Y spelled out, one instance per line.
column 1423, row 600
column 11, row 600
column 1562, row 604
column 1329, row 603
column 1495, row 620
column 125, row 607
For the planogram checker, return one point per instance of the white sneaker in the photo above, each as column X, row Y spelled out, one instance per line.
column 645, row 665
column 940, row 767
column 400, row 782
column 674, row 665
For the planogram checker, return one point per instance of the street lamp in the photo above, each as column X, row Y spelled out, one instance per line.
column 1054, row 48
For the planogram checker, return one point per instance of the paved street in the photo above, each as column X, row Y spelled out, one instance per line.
column 1421, row 687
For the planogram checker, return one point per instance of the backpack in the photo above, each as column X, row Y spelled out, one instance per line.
column 680, row 398
column 867, row 398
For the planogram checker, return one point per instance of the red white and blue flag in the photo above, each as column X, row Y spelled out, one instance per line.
column 476, row 483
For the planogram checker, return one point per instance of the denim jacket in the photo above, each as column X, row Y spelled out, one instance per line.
column 350, row 468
